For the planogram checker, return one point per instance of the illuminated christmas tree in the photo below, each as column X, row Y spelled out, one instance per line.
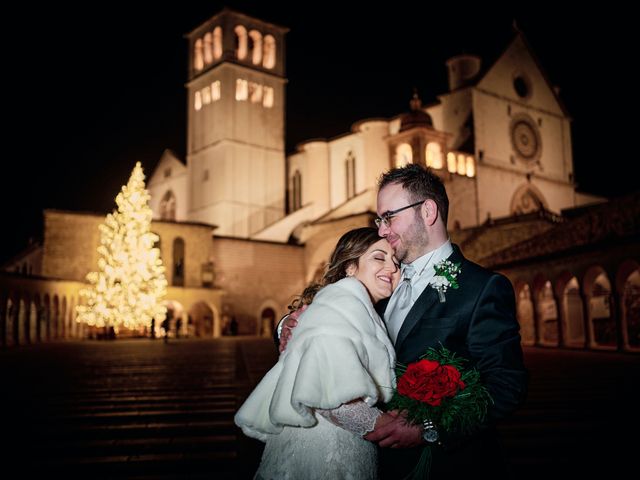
column 128, row 288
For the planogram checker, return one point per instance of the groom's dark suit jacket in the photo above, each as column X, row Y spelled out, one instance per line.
column 477, row 322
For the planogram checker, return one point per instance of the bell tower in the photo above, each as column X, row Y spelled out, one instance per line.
column 235, row 131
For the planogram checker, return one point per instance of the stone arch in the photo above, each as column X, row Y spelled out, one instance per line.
column 7, row 331
column 241, row 42
column 268, row 315
column 600, row 319
column 178, row 318
column 217, row 42
column 628, row 289
column 403, row 155
column 23, row 320
column 526, row 199
column 204, row 319
column 433, row 155
column 55, row 318
column 198, row 55
column 571, row 311
column 37, row 304
column 208, row 48
column 525, row 313
column 255, row 46
column 269, row 52
column 33, row 319
column 62, row 330
column 71, row 320
column 13, row 322
column 45, row 318
column 546, row 310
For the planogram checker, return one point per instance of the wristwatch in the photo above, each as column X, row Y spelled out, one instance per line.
column 429, row 432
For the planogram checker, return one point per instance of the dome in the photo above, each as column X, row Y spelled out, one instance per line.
column 416, row 117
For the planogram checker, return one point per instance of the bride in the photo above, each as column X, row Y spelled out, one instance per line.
column 313, row 407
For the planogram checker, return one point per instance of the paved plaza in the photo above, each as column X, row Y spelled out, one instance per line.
column 143, row 409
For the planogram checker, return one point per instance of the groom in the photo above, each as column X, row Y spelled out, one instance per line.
column 476, row 321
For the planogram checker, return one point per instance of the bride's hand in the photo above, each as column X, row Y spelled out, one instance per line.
column 383, row 419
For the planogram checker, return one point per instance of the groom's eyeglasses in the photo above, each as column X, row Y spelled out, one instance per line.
column 388, row 216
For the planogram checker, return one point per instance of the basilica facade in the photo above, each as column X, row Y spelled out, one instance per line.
column 244, row 227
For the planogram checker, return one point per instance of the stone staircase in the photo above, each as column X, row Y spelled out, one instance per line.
column 147, row 410
column 139, row 409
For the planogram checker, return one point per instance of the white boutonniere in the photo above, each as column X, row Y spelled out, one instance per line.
column 446, row 277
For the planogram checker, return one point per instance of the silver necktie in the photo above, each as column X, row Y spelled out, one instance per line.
column 402, row 303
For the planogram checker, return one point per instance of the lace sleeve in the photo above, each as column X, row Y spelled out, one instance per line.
column 356, row 417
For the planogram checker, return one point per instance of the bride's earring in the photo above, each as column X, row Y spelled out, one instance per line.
column 351, row 270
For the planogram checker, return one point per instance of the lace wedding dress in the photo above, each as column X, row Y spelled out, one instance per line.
column 333, row 449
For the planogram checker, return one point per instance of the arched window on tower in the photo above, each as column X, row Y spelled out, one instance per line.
column 255, row 43
column 215, row 90
column 434, row 155
column 198, row 55
column 404, row 155
column 177, row 278
column 168, row 206
column 208, row 48
column 462, row 164
column 255, row 92
column 217, row 42
column 350, row 167
column 242, row 89
column 241, row 42
column 451, row 162
column 296, row 191
column 267, row 97
column 471, row 167
column 269, row 52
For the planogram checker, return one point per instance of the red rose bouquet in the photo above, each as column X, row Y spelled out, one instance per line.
column 438, row 387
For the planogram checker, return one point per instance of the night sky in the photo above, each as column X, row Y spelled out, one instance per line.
column 90, row 92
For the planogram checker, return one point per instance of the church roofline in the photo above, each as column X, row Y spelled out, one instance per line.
column 355, row 127
column 30, row 248
column 320, row 220
column 586, row 232
column 103, row 215
column 484, row 71
column 252, row 240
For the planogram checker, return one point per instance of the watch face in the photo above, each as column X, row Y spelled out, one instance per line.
column 430, row 435
column 525, row 138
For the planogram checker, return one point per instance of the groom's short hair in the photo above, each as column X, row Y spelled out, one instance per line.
column 421, row 183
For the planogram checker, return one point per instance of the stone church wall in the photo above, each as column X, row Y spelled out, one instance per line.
column 256, row 276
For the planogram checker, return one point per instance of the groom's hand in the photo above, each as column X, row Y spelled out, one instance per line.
column 288, row 325
column 396, row 433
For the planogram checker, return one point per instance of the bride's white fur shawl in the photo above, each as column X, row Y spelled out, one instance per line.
column 339, row 352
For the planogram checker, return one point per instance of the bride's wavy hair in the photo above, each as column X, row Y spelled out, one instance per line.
column 351, row 246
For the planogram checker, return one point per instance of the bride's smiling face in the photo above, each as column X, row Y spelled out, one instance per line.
column 378, row 270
